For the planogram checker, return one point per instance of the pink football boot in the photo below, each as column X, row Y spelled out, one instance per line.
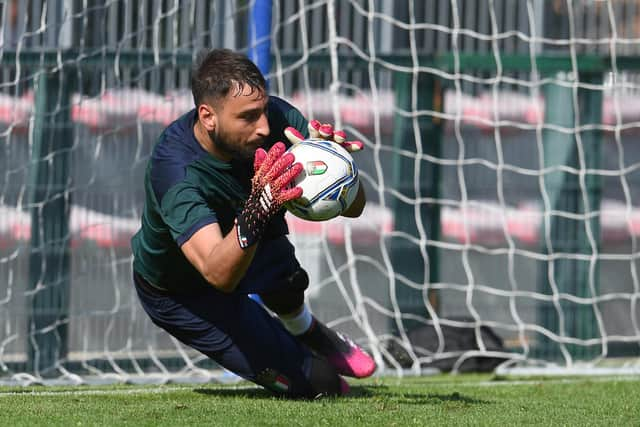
column 343, row 354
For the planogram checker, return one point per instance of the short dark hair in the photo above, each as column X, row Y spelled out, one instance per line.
column 217, row 71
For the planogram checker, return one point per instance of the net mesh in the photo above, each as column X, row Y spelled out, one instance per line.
column 500, row 166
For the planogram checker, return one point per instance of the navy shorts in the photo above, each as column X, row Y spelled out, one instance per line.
column 236, row 331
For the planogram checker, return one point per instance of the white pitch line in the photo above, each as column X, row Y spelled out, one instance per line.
column 121, row 391
column 528, row 382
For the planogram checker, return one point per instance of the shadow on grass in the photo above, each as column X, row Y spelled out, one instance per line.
column 357, row 392
column 260, row 393
column 252, row 393
column 416, row 398
column 457, row 397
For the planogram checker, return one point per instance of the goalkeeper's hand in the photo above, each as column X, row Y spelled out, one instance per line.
column 274, row 171
column 318, row 130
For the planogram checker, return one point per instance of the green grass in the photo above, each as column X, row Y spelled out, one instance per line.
column 439, row 400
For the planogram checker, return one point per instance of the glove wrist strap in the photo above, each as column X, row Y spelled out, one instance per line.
column 246, row 236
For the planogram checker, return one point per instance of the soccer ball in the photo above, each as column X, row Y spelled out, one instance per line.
column 329, row 180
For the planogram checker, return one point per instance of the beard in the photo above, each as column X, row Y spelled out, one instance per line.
column 237, row 151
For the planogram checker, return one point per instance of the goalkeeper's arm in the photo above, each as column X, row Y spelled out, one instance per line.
column 224, row 260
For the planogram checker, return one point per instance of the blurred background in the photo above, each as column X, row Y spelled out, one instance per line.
column 501, row 166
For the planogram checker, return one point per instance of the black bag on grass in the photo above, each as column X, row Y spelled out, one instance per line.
column 457, row 339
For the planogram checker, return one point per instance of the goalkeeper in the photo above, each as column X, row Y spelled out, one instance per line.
column 213, row 231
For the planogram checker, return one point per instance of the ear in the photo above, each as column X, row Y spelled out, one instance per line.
column 208, row 117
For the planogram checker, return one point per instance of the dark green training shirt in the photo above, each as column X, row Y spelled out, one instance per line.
column 187, row 188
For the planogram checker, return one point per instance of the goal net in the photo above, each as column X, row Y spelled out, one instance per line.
column 500, row 167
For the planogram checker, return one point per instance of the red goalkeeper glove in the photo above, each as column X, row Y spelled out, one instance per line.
column 274, row 171
column 318, row 130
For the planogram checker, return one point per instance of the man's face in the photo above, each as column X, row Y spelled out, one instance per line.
column 241, row 125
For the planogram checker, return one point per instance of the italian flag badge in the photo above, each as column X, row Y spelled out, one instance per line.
column 281, row 383
column 273, row 380
column 316, row 167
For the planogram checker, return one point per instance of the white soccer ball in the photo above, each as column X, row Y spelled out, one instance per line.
column 329, row 180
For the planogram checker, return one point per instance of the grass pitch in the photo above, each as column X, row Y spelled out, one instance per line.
column 438, row 400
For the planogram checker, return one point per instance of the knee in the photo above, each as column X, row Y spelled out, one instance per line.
column 291, row 297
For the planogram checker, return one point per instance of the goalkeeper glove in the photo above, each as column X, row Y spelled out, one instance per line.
column 274, row 171
column 318, row 130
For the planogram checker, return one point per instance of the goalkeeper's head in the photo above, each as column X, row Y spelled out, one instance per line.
column 219, row 73
column 231, row 103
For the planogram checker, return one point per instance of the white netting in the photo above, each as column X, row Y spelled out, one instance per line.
column 500, row 166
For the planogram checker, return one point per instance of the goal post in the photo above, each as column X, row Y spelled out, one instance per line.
column 573, row 194
column 422, row 220
column 500, row 167
column 49, row 258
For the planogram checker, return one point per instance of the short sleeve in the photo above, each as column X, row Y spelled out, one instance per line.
column 185, row 211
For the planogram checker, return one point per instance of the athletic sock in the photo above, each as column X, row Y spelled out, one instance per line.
column 300, row 323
